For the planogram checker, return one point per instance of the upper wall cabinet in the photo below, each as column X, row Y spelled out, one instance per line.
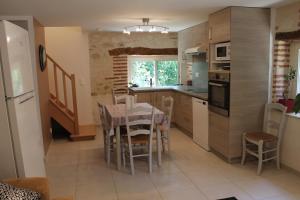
column 219, row 26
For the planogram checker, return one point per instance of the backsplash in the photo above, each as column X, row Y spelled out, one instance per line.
column 200, row 73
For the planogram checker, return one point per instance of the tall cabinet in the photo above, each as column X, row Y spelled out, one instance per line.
column 248, row 31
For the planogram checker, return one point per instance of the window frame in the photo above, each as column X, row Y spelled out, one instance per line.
column 155, row 59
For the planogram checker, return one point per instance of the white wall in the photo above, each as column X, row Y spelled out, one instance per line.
column 291, row 144
column 68, row 46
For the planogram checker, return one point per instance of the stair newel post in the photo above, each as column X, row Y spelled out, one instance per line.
column 75, row 104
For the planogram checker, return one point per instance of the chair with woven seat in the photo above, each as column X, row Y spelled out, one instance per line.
column 265, row 145
column 139, row 135
column 108, row 134
column 121, row 99
column 167, row 108
column 119, row 92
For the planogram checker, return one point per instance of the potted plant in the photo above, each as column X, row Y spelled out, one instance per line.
column 289, row 77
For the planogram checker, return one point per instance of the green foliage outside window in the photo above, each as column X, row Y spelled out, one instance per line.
column 167, row 73
column 143, row 70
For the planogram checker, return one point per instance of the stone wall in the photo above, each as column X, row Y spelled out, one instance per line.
column 101, row 64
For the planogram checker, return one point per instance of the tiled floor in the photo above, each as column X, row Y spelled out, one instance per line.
column 78, row 169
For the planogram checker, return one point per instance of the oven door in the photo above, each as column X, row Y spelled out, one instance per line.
column 218, row 96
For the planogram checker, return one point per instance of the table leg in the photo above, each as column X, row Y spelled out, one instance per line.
column 118, row 138
column 158, row 143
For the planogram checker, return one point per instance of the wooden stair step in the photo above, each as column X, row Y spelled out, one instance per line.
column 87, row 132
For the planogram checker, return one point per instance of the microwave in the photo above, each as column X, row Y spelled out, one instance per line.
column 222, row 51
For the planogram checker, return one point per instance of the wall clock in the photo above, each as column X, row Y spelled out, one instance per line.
column 42, row 57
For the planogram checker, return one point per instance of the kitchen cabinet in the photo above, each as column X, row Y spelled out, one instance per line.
column 184, row 112
column 219, row 133
column 219, row 26
column 248, row 30
column 146, row 97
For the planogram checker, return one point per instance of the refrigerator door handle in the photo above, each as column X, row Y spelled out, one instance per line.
column 10, row 98
column 27, row 99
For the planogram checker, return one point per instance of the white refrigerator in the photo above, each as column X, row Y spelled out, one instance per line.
column 21, row 142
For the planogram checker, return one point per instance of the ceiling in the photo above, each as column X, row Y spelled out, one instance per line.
column 113, row 15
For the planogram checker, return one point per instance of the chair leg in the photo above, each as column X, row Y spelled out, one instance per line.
column 260, row 157
column 150, row 158
column 131, row 160
column 123, row 155
column 108, row 149
column 244, row 149
column 104, row 144
column 163, row 141
column 278, row 158
column 169, row 142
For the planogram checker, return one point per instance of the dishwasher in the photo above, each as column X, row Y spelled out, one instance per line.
column 200, row 123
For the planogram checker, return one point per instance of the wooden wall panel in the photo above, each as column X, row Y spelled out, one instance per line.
column 43, row 86
column 250, row 47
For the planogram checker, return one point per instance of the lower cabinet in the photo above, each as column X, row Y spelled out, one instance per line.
column 146, row 97
column 184, row 112
column 219, row 133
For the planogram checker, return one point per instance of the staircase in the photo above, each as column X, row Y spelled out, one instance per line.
column 63, row 102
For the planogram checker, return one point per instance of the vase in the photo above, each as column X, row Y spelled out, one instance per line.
column 289, row 103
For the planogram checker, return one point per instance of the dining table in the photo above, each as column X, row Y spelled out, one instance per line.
column 116, row 117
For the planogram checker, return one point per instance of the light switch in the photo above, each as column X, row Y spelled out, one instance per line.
column 197, row 74
column 81, row 82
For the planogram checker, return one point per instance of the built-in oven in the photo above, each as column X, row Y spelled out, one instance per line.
column 218, row 96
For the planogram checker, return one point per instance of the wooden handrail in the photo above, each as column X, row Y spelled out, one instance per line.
column 58, row 66
column 71, row 78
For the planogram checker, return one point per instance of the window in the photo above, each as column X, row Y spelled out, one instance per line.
column 162, row 70
column 294, row 59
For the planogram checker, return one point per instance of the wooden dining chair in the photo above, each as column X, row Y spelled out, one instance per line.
column 121, row 99
column 118, row 91
column 265, row 145
column 167, row 108
column 108, row 133
column 139, row 135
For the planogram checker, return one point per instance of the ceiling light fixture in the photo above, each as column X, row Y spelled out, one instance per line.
column 145, row 27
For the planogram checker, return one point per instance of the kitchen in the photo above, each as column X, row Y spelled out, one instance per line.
column 222, row 80
column 219, row 75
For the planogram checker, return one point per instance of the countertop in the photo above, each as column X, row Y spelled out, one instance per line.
column 188, row 90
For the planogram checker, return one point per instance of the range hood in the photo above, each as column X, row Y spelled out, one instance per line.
column 195, row 50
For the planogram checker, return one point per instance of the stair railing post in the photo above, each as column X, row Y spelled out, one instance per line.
column 55, row 82
column 65, row 90
column 75, row 103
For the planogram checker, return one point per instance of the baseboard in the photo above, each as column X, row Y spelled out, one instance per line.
column 290, row 169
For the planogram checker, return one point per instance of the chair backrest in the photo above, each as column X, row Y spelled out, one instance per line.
column 139, row 121
column 116, row 91
column 167, row 108
column 121, row 99
column 274, row 119
column 103, row 118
